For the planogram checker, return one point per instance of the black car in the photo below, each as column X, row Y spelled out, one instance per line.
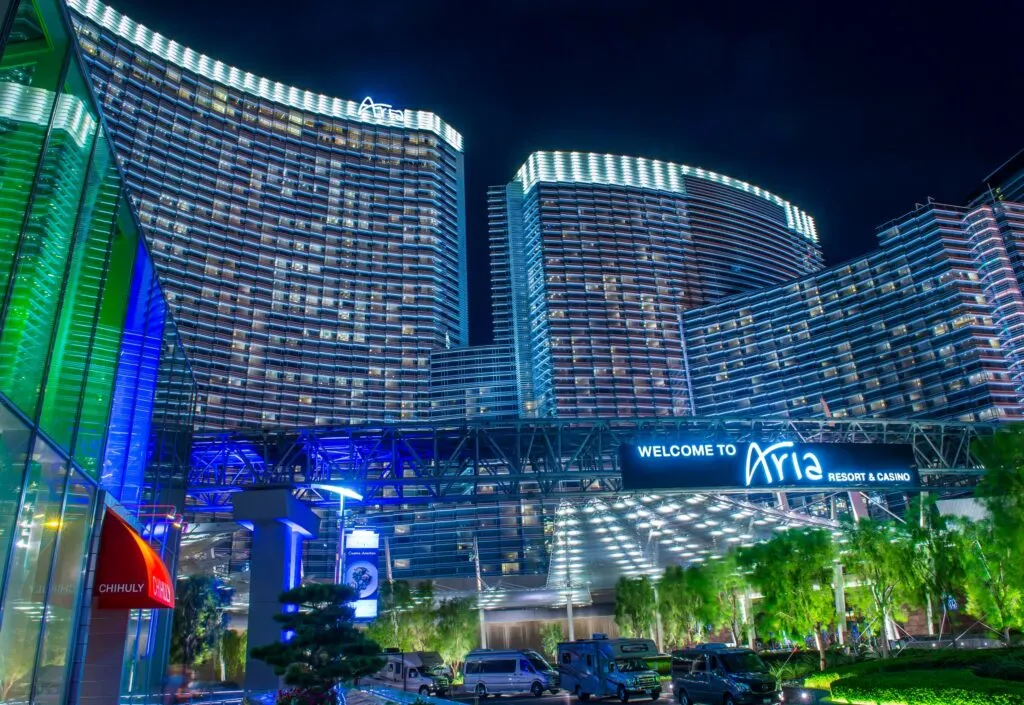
column 714, row 674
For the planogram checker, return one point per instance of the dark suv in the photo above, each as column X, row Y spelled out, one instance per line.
column 715, row 674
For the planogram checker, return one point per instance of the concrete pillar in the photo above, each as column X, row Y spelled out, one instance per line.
column 859, row 506
column 839, row 587
column 279, row 524
column 659, row 632
column 747, row 603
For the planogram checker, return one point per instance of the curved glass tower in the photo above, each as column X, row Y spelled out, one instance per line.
column 596, row 257
column 312, row 248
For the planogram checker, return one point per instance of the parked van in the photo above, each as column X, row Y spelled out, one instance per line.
column 420, row 672
column 600, row 667
column 488, row 672
column 717, row 673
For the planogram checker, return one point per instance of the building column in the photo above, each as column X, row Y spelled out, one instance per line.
column 747, row 614
column 279, row 524
column 859, row 506
column 839, row 588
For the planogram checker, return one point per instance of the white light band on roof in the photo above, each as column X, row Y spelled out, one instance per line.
column 28, row 104
column 169, row 50
column 637, row 172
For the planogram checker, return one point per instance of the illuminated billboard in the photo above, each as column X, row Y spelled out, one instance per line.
column 698, row 463
column 361, row 571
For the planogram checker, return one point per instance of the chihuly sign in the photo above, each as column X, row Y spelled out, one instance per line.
column 711, row 464
column 129, row 573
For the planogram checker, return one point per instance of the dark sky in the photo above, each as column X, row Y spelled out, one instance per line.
column 852, row 112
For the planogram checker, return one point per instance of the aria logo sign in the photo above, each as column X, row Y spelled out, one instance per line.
column 783, row 459
column 381, row 111
column 702, row 464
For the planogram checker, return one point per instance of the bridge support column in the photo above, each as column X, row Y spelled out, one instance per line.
column 279, row 524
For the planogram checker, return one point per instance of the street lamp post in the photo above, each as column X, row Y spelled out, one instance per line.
column 342, row 492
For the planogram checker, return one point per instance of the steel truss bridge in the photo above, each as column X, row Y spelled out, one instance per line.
column 499, row 461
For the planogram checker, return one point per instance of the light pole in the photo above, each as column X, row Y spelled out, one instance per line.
column 342, row 492
column 480, row 594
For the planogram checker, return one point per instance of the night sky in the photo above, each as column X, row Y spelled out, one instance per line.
column 853, row 114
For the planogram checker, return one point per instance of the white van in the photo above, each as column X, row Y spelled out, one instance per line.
column 488, row 672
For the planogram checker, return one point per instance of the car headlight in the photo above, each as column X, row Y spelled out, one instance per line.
column 742, row 687
column 631, row 682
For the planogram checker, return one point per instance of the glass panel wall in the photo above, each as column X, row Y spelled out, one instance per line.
column 15, row 437
column 94, row 387
column 26, row 584
column 82, row 291
column 65, row 591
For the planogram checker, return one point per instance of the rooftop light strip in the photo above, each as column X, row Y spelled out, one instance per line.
column 32, row 105
column 637, row 172
column 219, row 72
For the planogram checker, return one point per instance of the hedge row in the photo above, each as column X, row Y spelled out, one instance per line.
column 946, row 687
column 921, row 660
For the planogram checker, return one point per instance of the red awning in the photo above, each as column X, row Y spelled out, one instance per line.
column 129, row 573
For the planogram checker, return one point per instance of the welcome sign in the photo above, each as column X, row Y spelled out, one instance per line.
column 698, row 463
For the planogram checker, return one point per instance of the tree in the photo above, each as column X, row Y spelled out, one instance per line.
column 671, row 605
column 993, row 586
column 939, row 568
column 391, row 629
column 199, row 619
column 551, row 635
column 422, row 617
column 992, row 577
column 457, row 631
column 730, row 589
column 325, row 649
column 793, row 572
column 688, row 602
column 235, row 647
column 884, row 556
column 634, row 606
column 1001, row 488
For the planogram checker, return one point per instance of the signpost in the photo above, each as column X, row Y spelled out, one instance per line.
column 700, row 463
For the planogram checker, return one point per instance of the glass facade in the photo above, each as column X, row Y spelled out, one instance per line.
column 630, row 288
column 928, row 326
column 595, row 259
column 312, row 249
column 472, row 383
column 87, row 353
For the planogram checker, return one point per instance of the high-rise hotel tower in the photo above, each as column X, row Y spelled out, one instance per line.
column 595, row 258
column 312, row 249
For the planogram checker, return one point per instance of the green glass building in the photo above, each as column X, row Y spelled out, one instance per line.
column 95, row 394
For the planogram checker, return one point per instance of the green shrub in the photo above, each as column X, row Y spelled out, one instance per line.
column 915, row 660
column 945, row 687
column 660, row 664
column 1006, row 669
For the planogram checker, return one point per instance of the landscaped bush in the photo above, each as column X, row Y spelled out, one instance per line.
column 662, row 665
column 932, row 687
column 786, row 666
column 1007, row 669
column 918, row 659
